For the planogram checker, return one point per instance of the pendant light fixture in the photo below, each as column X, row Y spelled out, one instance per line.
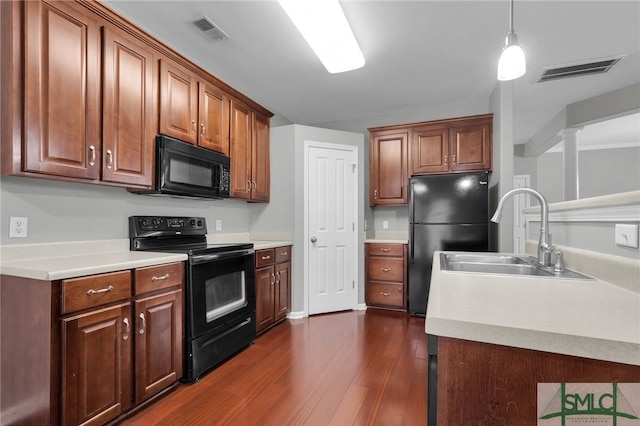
column 323, row 24
column 512, row 62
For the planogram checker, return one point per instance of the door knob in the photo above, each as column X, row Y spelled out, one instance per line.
column 314, row 239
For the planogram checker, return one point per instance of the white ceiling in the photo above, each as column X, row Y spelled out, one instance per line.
column 419, row 54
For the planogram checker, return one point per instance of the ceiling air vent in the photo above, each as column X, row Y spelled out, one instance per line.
column 210, row 29
column 599, row 66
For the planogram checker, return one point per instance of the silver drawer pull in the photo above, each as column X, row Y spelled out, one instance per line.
column 125, row 336
column 284, row 253
column 385, row 269
column 266, row 257
column 384, row 249
column 164, row 277
column 144, row 324
column 385, row 294
column 91, row 292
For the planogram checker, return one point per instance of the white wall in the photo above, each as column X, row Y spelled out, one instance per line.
column 63, row 211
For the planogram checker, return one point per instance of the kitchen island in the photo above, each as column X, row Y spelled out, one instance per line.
column 493, row 338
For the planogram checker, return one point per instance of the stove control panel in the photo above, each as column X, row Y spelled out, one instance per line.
column 145, row 226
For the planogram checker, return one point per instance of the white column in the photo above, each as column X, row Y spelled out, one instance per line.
column 570, row 170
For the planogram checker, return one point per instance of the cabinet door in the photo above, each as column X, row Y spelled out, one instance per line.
column 282, row 290
column 265, row 282
column 430, row 150
column 388, row 168
column 96, row 365
column 158, row 331
column 240, row 151
column 178, row 103
column 128, row 111
column 260, row 168
column 471, row 146
column 62, row 78
column 213, row 119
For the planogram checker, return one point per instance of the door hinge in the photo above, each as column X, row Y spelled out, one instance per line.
column 353, row 284
column 353, row 168
column 353, row 226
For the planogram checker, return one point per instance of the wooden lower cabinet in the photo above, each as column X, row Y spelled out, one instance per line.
column 96, row 365
column 273, row 286
column 386, row 275
column 105, row 344
column 487, row 384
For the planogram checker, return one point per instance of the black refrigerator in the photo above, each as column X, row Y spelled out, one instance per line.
column 446, row 212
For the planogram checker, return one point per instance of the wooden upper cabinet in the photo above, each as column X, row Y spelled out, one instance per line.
column 214, row 116
column 388, row 178
column 62, row 91
column 192, row 109
column 260, row 161
column 129, row 125
column 471, row 148
column 240, row 151
column 178, row 102
column 430, row 150
column 249, row 152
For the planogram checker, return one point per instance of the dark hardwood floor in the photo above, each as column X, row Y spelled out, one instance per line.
column 348, row 368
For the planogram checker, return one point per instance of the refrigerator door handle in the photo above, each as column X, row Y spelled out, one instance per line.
column 410, row 245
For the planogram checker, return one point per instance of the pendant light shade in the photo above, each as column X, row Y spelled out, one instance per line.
column 512, row 62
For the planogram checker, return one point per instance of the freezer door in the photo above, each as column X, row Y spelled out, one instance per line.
column 424, row 240
column 452, row 198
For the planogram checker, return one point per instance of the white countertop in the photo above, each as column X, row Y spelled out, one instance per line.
column 385, row 241
column 591, row 319
column 57, row 261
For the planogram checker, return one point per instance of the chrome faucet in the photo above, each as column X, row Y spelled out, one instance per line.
column 544, row 243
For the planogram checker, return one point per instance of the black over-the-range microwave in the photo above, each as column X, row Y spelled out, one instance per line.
column 186, row 170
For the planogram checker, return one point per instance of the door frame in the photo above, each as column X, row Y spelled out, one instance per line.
column 520, row 181
column 356, row 218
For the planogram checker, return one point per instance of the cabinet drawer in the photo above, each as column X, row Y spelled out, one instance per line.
column 383, row 249
column 385, row 294
column 96, row 290
column 391, row 269
column 158, row 277
column 265, row 257
column 283, row 254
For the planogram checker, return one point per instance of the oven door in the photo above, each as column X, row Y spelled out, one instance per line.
column 220, row 288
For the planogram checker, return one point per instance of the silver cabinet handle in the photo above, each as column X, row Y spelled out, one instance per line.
column 266, row 257
column 202, row 131
column 384, row 249
column 109, row 159
column 454, row 159
column 314, row 239
column 277, row 277
column 283, row 253
column 193, row 126
column 273, row 279
column 164, row 277
column 144, row 324
column 91, row 292
column 375, row 194
column 249, row 185
column 255, row 186
column 445, row 160
column 385, row 294
column 385, row 269
column 92, row 160
column 125, row 336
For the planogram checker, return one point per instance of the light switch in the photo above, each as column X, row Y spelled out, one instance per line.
column 385, row 224
column 627, row 235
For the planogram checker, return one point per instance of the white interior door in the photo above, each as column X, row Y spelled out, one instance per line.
column 520, row 201
column 331, row 195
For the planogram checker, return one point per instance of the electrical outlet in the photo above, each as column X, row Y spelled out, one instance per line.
column 385, row 224
column 18, row 227
column 627, row 235
column 218, row 225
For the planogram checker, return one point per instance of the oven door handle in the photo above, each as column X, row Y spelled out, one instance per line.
column 202, row 258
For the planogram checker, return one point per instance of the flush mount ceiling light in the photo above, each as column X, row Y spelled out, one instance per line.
column 323, row 24
column 512, row 62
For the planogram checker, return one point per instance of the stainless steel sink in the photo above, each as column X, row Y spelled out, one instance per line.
column 501, row 264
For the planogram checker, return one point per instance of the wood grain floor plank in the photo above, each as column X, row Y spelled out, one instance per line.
column 349, row 368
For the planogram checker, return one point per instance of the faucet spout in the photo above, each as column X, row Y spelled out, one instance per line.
column 544, row 243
